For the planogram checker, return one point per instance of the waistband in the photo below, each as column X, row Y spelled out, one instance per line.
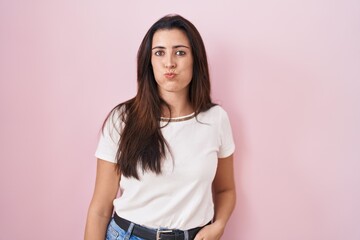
column 159, row 234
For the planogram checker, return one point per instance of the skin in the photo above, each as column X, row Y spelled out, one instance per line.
column 101, row 207
column 171, row 52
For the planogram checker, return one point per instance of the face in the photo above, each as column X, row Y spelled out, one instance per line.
column 172, row 61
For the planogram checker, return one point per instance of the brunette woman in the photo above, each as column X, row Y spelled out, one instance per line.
column 169, row 149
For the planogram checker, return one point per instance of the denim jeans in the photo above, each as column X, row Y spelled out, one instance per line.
column 114, row 232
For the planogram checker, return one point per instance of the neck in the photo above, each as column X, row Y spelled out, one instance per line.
column 179, row 105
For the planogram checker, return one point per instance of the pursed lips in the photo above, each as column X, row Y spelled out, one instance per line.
column 170, row 75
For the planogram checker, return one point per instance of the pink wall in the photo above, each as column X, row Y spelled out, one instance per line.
column 286, row 71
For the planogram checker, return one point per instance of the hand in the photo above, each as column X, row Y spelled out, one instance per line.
column 210, row 232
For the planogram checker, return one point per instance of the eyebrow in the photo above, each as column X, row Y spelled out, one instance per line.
column 176, row 46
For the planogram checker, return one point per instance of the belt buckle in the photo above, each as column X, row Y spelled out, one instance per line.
column 159, row 231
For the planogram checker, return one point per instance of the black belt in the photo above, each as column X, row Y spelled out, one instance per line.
column 161, row 234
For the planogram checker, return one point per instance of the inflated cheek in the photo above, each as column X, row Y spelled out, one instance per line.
column 155, row 69
column 191, row 65
column 190, row 70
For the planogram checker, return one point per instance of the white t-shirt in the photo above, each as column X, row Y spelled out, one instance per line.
column 181, row 197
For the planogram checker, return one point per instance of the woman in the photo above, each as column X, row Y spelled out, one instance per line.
column 169, row 149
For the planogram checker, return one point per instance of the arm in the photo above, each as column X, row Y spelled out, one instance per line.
column 224, row 200
column 100, row 210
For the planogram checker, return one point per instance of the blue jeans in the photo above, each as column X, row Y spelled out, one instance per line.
column 114, row 232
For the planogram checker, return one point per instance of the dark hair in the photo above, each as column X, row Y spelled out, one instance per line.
column 141, row 141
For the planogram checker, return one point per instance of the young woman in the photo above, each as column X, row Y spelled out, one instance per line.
column 169, row 149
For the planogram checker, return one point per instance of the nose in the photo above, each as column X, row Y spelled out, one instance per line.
column 170, row 62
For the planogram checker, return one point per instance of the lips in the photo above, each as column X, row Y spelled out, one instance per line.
column 169, row 75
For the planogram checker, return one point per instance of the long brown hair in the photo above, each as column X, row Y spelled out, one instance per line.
column 141, row 142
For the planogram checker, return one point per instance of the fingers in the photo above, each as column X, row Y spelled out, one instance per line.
column 202, row 236
column 199, row 236
column 209, row 232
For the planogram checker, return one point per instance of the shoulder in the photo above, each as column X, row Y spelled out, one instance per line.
column 115, row 119
column 214, row 115
column 217, row 109
column 120, row 112
column 115, row 115
column 215, row 112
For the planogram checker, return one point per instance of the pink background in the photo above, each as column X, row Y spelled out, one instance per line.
column 286, row 71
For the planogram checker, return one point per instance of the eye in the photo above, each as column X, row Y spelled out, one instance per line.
column 159, row 53
column 180, row 53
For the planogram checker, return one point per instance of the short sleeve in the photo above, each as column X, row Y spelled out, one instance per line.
column 109, row 139
column 227, row 145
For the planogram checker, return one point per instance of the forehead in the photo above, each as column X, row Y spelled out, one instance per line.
column 170, row 37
